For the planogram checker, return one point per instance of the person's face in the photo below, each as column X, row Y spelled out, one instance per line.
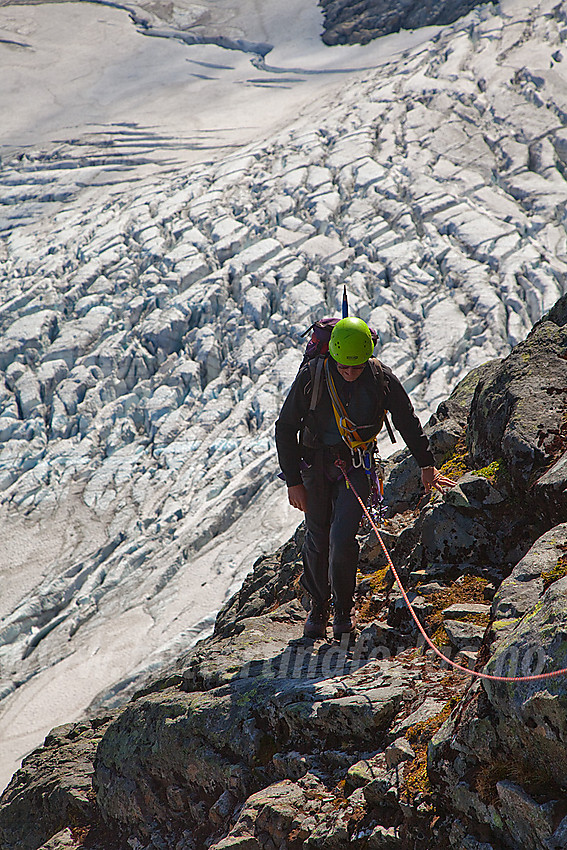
column 350, row 373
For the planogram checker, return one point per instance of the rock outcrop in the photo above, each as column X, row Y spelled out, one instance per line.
column 360, row 22
column 260, row 739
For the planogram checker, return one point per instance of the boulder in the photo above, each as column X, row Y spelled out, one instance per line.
column 504, row 763
column 522, row 590
column 55, row 783
column 517, row 412
column 551, row 488
column 274, row 813
column 402, row 482
column 464, row 636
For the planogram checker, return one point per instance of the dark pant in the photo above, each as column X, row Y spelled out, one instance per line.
column 332, row 519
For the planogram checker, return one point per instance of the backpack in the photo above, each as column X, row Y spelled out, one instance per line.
column 318, row 348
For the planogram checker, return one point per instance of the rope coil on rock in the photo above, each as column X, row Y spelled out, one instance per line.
column 475, row 673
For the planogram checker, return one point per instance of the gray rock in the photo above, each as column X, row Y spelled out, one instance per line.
column 220, row 811
column 471, row 843
column 464, row 635
column 551, row 488
column 517, row 412
column 558, row 840
column 456, row 497
column 360, row 774
column 63, row 840
column 401, row 750
column 383, row 788
column 280, row 809
column 359, row 24
column 237, row 842
column 55, row 782
column 478, row 490
column 449, row 536
column 467, row 658
column 536, row 715
column 460, row 609
column 430, row 708
column 530, row 823
column 382, row 838
column 141, row 750
column 399, row 615
column 520, row 592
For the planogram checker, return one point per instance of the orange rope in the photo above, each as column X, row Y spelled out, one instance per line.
column 477, row 674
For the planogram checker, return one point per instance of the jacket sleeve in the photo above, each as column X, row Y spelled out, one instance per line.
column 406, row 421
column 288, row 427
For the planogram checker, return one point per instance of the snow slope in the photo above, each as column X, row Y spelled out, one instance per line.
column 172, row 218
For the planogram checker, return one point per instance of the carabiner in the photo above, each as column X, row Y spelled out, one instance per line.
column 357, row 458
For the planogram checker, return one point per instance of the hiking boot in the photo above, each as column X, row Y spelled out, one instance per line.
column 316, row 622
column 344, row 623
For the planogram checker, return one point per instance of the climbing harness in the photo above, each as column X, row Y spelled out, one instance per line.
column 475, row 673
column 364, row 453
column 347, row 428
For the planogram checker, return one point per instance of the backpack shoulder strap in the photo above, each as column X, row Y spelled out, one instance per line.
column 380, row 379
column 316, row 368
column 378, row 373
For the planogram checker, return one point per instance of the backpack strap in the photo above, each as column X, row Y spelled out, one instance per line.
column 316, row 366
column 389, row 428
column 316, row 376
column 378, row 373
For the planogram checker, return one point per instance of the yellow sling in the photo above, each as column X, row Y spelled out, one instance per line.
column 347, row 428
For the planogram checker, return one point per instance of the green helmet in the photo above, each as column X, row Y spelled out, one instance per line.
column 351, row 342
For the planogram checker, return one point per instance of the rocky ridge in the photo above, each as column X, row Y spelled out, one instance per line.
column 360, row 22
column 259, row 739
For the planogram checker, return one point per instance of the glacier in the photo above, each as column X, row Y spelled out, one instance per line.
column 167, row 237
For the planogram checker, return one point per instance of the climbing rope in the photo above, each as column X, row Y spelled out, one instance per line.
column 475, row 673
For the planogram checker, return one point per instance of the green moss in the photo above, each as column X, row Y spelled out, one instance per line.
column 503, row 624
column 247, row 696
column 476, row 619
column 457, row 463
column 415, row 776
column 535, row 610
column 557, row 572
column 495, row 471
column 470, row 589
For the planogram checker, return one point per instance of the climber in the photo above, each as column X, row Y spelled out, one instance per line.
column 315, row 430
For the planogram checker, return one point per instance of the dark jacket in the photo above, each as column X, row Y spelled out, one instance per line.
column 364, row 402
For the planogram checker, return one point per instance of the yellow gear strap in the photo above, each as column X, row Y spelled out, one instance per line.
column 347, row 428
